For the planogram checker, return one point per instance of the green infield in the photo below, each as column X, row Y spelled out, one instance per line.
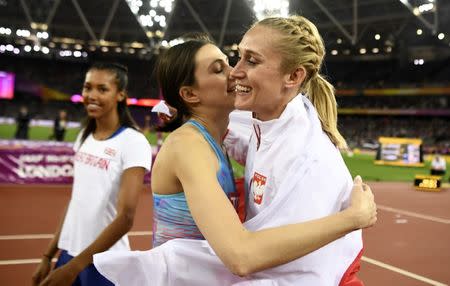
column 362, row 164
column 44, row 133
column 359, row 164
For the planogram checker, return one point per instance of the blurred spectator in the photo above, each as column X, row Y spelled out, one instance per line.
column 23, row 123
column 147, row 125
column 60, row 126
column 438, row 165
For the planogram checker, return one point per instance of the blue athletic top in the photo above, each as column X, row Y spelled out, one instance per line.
column 172, row 218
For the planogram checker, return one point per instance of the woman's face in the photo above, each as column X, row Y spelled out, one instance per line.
column 100, row 94
column 257, row 74
column 213, row 83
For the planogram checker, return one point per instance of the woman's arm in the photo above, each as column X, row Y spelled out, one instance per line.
column 245, row 252
column 46, row 262
column 130, row 187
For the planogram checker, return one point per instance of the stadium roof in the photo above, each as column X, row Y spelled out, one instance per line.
column 358, row 28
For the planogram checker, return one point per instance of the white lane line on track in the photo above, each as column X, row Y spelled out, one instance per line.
column 26, row 236
column 49, row 235
column 46, row 236
column 33, row 187
column 402, row 272
column 23, row 261
column 414, row 214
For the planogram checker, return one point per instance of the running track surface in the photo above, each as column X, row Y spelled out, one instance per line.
column 409, row 246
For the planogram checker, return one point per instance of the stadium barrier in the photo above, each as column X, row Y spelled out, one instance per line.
column 37, row 162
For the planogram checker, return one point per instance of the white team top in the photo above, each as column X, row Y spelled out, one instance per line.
column 274, row 145
column 98, row 166
column 295, row 174
column 438, row 163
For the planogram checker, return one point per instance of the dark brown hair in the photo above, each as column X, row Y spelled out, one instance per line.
column 121, row 75
column 176, row 68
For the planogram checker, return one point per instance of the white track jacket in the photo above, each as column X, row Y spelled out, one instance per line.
column 293, row 174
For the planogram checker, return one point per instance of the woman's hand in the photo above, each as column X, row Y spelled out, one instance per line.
column 64, row 275
column 169, row 113
column 41, row 271
column 362, row 206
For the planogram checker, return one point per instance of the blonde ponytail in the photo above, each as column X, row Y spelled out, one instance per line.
column 321, row 94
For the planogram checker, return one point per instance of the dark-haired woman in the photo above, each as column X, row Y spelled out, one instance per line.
column 111, row 157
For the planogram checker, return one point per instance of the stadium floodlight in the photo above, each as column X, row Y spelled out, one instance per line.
column 426, row 7
column 42, row 35
column 152, row 15
column 266, row 8
column 5, row 31
column 418, row 11
column 137, row 45
column 23, row 33
column 164, row 43
column 67, row 53
column 419, row 62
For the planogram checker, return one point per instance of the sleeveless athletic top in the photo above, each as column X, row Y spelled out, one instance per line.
column 172, row 218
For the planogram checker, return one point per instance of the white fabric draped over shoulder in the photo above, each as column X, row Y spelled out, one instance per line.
column 238, row 136
column 316, row 181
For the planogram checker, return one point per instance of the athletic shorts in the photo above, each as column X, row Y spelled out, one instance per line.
column 88, row 277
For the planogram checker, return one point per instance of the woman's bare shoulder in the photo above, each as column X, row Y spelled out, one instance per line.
column 184, row 138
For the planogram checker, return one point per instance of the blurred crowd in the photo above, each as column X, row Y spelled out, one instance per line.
column 364, row 131
column 360, row 130
column 394, row 102
column 387, row 74
column 68, row 76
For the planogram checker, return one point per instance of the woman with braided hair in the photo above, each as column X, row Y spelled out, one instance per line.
column 294, row 173
column 295, row 126
column 279, row 65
